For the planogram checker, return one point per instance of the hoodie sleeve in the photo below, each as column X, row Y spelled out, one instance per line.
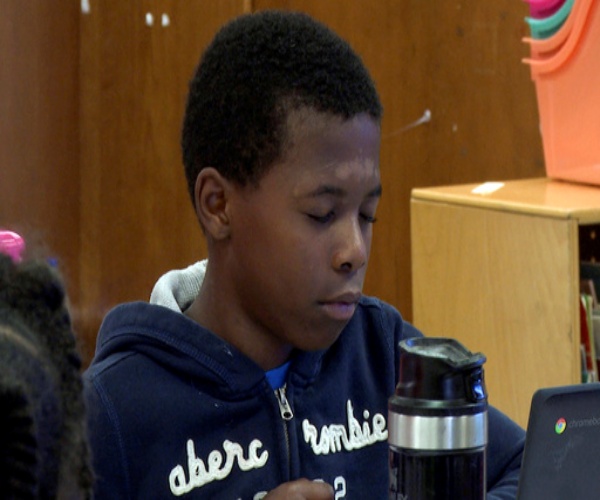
column 505, row 451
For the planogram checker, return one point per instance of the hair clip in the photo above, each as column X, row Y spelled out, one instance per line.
column 12, row 244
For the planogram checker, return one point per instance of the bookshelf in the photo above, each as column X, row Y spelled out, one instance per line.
column 499, row 271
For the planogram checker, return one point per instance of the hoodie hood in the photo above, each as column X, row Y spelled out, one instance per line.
column 160, row 331
column 177, row 289
column 177, row 343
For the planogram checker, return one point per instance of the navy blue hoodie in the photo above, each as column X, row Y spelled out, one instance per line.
column 176, row 411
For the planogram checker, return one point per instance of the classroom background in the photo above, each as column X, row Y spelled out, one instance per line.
column 91, row 102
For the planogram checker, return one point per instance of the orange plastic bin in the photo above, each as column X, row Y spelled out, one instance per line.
column 568, row 94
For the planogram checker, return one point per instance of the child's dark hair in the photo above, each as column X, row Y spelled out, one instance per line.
column 257, row 69
column 43, row 444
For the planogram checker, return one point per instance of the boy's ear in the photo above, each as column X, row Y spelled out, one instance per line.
column 212, row 194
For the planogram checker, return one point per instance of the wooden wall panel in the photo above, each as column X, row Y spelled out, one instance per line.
column 462, row 62
column 137, row 219
column 39, row 147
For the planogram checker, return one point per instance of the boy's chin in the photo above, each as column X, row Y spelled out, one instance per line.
column 320, row 342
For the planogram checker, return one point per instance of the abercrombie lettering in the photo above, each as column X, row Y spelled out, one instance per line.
column 336, row 437
column 332, row 438
column 199, row 474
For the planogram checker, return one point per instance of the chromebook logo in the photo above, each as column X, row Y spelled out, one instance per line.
column 560, row 426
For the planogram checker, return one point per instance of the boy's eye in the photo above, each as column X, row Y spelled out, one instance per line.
column 369, row 219
column 328, row 217
column 323, row 219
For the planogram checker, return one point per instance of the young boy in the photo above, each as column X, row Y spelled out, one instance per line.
column 263, row 372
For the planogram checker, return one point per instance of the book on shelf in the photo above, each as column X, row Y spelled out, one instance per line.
column 590, row 320
column 589, row 271
column 589, row 367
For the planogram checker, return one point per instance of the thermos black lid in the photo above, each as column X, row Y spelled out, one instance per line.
column 439, row 373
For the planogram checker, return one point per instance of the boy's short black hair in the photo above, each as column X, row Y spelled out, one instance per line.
column 257, row 69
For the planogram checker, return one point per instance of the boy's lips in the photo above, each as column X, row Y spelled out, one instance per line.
column 341, row 307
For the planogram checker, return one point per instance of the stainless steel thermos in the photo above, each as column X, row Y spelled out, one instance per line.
column 437, row 423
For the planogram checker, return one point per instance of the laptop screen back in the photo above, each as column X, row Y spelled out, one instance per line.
column 562, row 447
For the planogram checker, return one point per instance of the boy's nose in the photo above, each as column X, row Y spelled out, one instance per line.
column 352, row 249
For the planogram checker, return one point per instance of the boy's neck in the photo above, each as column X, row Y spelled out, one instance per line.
column 212, row 309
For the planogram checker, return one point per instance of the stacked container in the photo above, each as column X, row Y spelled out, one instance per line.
column 565, row 67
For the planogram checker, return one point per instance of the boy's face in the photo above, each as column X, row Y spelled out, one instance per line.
column 300, row 242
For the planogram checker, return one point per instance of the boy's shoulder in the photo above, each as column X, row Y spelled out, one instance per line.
column 385, row 317
column 374, row 306
column 371, row 301
column 134, row 326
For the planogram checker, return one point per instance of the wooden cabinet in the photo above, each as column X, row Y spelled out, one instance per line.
column 499, row 271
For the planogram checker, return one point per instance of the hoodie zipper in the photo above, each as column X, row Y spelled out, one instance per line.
column 287, row 414
column 284, row 406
